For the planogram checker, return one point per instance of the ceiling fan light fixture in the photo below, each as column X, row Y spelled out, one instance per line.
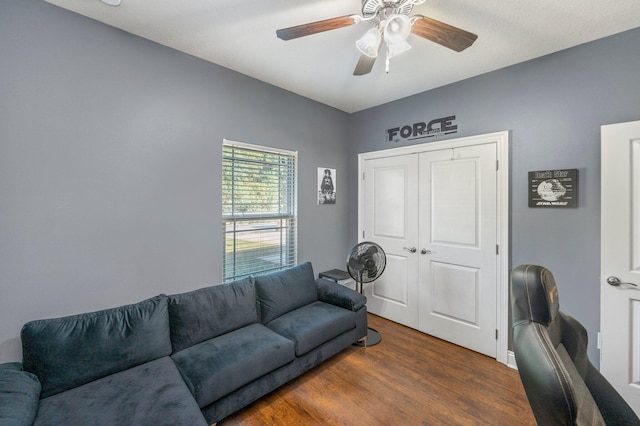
column 111, row 2
column 369, row 43
column 397, row 28
column 395, row 49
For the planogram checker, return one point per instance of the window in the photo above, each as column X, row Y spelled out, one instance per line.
column 258, row 209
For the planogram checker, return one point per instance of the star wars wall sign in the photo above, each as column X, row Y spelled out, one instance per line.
column 553, row 188
column 422, row 130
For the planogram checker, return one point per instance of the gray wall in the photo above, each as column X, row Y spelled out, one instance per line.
column 553, row 107
column 110, row 155
column 110, row 181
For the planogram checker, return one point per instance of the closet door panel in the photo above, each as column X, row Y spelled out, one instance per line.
column 389, row 206
column 390, row 217
column 458, row 235
column 454, row 291
column 388, row 290
column 454, row 213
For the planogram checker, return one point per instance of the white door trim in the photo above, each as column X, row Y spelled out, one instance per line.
column 501, row 139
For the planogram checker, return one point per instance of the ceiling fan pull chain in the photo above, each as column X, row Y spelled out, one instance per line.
column 386, row 63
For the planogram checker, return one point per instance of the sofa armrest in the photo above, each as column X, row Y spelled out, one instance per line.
column 19, row 395
column 339, row 295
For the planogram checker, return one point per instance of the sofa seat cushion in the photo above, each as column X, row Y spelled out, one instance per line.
column 223, row 364
column 313, row 325
column 19, row 395
column 68, row 352
column 203, row 314
column 149, row 394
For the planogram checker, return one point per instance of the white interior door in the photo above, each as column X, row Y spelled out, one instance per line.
column 620, row 258
column 458, row 239
column 390, row 214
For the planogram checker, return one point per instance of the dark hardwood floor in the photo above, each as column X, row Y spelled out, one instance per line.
column 410, row 378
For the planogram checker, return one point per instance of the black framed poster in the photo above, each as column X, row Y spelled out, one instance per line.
column 553, row 188
column 327, row 186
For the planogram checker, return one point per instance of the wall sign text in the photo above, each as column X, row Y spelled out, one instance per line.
column 422, row 130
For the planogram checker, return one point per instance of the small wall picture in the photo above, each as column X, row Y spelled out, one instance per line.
column 553, row 188
column 326, row 186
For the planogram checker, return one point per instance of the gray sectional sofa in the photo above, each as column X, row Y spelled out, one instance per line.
column 186, row 359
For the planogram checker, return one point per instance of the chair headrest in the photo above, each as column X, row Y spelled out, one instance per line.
column 534, row 295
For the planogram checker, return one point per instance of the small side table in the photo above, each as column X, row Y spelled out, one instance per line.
column 339, row 276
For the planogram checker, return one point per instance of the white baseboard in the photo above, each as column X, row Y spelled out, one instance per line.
column 511, row 360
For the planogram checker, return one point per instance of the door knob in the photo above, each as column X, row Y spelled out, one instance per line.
column 425, row 251
column 615, row 281
column 412, row 249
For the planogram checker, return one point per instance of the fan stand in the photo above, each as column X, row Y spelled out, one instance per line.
column 373, row 337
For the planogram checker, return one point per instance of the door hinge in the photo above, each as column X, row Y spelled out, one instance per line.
column 362, row 175
column 497, row 164
column 497, row 249
column 496, row 334
column 362, row 234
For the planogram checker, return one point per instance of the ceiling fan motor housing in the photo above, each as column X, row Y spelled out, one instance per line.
column 376, row 11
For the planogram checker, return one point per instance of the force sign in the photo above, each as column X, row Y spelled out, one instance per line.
column 435, row 128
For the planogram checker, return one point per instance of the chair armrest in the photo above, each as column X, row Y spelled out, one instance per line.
column 339, row 295
column 19, row 395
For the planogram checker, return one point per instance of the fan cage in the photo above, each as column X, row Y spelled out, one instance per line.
column 366, row 262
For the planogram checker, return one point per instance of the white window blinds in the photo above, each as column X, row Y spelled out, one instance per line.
column 258, row 210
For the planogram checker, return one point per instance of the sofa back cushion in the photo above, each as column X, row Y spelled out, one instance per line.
column 209, row 312
column 284, row 291
column 68, row 352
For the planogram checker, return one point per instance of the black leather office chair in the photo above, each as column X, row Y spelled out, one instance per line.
column 562, row 385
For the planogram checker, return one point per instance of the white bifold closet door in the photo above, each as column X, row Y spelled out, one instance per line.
column 434, row 213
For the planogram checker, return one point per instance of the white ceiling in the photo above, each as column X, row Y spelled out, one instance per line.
column 240, row 35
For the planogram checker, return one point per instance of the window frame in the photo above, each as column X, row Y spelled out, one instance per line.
column 288, row 247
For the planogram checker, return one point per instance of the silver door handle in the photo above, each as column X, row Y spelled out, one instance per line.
column 425, row 251
column 412, row 249
column 615, row 281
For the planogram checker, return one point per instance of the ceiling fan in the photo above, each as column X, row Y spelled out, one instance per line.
column 392, row 24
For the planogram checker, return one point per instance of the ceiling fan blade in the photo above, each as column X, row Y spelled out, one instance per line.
column 317, row 27
column 364, row 65
column 443, row 34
